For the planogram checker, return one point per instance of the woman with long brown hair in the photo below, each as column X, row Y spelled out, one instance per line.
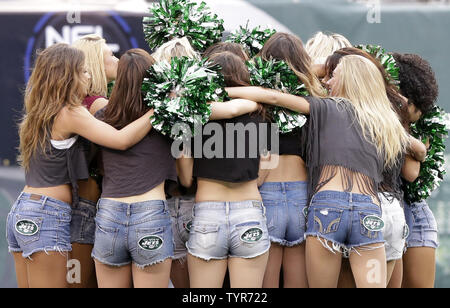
column 229, row 230
column 38, row 225
column 133, row 239
column 284, row 189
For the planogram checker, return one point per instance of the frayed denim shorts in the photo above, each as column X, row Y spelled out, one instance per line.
column 82, row 227
column 181, row 216
column 132, row 232
column 345, row 221
column 286, row 211
column 423, row 230
column 228, row 229
column 395, row 229
column 38, row 223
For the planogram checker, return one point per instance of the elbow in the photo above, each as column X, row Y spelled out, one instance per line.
column 411, row 172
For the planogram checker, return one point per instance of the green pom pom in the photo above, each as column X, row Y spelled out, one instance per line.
column 182, row 18
column 387, row 60
column 433, row 126
column 274, row 74
column 252, row 40
column 110, row 88
column 179, row 92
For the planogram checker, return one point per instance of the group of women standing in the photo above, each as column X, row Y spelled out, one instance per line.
column 103, row 188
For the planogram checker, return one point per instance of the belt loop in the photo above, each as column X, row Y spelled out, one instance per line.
column 264, row 208
column 129, row 209
column 193, row 211
column 44, row 201
column 351, row 197
column 97, row 205
column 177, row 205
column 227, row 208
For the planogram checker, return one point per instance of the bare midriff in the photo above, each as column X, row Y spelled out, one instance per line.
column 156, row 193
column 62, row 192
column 290, row 168
column 213, row 190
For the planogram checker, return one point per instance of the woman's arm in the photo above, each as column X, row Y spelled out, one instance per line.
column 80, row 121
column 410, row 169
column 271, row 97
column 185, row 170
column 232, row 109
column 98, row 104
column 417, row 149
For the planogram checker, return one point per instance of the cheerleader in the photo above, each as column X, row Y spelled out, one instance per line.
column 418, row 84
column 38, row 225
column 102, row 66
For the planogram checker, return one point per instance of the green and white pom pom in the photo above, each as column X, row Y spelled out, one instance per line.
column 387, row 60
column 252, row 40
column 179, row 93
column 274, row 74
column 433, row 127
column 182, row 18
column 110, row 87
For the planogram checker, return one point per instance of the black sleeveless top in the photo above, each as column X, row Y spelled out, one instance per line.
column 291, row 143
column 54, row 167
column 237, row 160
column 140, row 168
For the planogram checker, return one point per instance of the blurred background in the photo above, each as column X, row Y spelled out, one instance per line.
column 406, row 26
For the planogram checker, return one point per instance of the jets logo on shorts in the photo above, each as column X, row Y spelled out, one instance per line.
column 405, row 231
column 373, row 223
column 27, row 227
column 188, row 226
column 150, row 242
column 305, row 211
column 252, row 235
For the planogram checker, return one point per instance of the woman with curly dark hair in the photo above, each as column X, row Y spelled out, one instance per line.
column 418, row 84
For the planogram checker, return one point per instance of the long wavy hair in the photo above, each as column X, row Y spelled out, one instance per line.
column 56, row 82
column 126, row 103
column 92, row 46
column 361, row 82
column 289, row 48
column 322, row 45
column 398, row 102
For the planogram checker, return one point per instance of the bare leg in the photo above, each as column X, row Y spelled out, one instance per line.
column 113, row 277
column 82, row 253
column 322, row 265
column 397, row 275
column 47, row 270
column 272, row 274
column 154, row 276
column 419, row 268
column 294, row 267
column 390, row 270
column 247, row 273
column 369, row 267
column 206, row 274
column 179, row 274
column 21, row 270
column 346, row 280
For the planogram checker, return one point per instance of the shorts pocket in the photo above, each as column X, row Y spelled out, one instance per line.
column 105, row 240
column 150, row 241
column 205, row 234
column 327, row 220
column 27, row 228
column 371, row 225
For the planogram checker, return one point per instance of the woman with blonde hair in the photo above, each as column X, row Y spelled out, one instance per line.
column 54, row 159
column 351, row 141
column 322, row 45
column 102, row 66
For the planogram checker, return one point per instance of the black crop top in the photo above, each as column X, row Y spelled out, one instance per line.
column 291, row 143
column 238, row 163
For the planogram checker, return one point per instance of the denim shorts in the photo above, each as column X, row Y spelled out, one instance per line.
column 181, row 216
column 423, row 231
column 395, row 228
column 228, row 229
column 38, row 223
column 132, row 232
column 286, row 211
column 346, row 220
column 82, row 228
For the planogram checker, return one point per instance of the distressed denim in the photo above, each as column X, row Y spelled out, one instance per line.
column 181, row 216
column 423, row 231
column 82, row 227
column 228, row 229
